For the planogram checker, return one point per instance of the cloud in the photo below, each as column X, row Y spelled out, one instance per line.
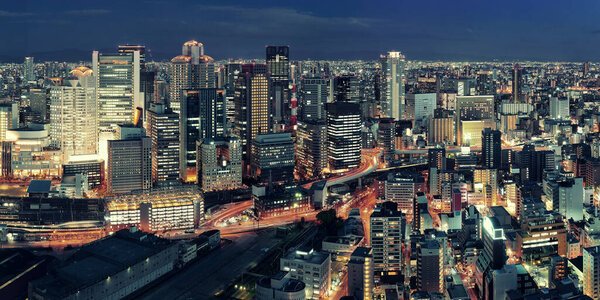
column 88, row 12
column 4, row 13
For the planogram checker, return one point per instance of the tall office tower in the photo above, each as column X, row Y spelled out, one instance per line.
column 486, row 183
column 569, row 202
column 559, row 108
column 219, row 163
column 493, row 257
column 469, row 108
column 278, row 65
column 39, row 102
column 28, row 72
column 232, row 71
column 386, row 138
column 73, row 118
column 534, row 164
column 485, row 84
column 343, row 135
column 473, row 112
column 117, row 90
column 9, row 118
column 430, row 267
column 393, row 68
column 163, row 128
column 129, row 164
column 313, row 99
column 436, row 158
column 360, row 273
column 253, row 112
column 272, row 157
column 146, row 81
column 517, row 84
column 202, row 117
column 190, row 70
column 591, row 272
column 420, row 107
column 491, row 148
column 386, row 238
column 311, row 149
column 441, row 131
column 346, row 88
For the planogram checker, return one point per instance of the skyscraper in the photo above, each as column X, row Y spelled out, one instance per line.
column 190, row 70
column 163, row 128
column 73, row 117
column 346, row 88
column 393, row 68
column 386, row 238
column 491, row 148
column 360, row 273
column 219, row 163
column 117, row 89
column 559, row 108
column 517, row 84
column 273, row 157
column 278, row 66
column 343, row 135
column 129, row 164
column 311, row 149
column 430, row 267
column 202, row 116
column 386, row 139
column 9, row 118
column 253, row 112
column 28, row 73
column 313, row 99
column 591, row 272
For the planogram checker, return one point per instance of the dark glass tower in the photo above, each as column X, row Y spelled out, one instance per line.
column 278, row 65
column 491, row 148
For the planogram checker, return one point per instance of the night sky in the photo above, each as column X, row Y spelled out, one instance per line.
column 554, row 30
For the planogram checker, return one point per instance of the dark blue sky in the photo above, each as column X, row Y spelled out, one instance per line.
column 554, row 30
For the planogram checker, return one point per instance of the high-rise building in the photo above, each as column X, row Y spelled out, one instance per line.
column 517, row 84
column 441, row 131
column 232, row 71
column 9, row 118
column 591, row 272
column 163, row 128
column 346, row 88
column 559, row 108
column 393, row 69
column 314, row 98
column 469, row 108
column 252, row 107
column 311, row 149
column 421, row 107
column 73, row 117
column 493, row 257
column 278, row 65
column 485, row 181
column 39, row 102
column 386, row 138
column 343, row 135
column 202, row 116
column 28, row 72
column 219, row 163
column 129, row 164
column 386, row 238
column 436, row 158
column 146, row 87
column 190, row 70
column 272, row 157
column 117, row 89
column 491, row 148
column 430, row 267
column 360, row 273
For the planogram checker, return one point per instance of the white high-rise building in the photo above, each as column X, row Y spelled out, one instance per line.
column 73, row 115
column 393, row 72
column 591, row 272
column 9, row 118
column 190, row 70
column 559, row 108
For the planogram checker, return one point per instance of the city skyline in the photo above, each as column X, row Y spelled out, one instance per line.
column 436, row 30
